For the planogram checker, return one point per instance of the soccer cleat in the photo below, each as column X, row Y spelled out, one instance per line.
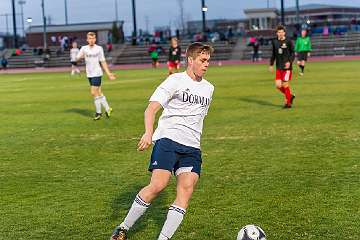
column 287, row 106
column 97, row 116
column 108, row 113
column 292, row 99
column 301, row 73
column 119, row 233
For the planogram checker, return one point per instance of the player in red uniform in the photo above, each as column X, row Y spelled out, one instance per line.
column 174, row 56
column 283, row 54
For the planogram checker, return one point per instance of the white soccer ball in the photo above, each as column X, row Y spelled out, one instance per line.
column 251, row 232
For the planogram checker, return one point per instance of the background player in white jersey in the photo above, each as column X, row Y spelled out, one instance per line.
column 185, row 98
column 73, row 55
column 95, row 61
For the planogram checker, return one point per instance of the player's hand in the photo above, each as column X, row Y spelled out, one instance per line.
column 309, row 54
column 271, row 69
column 145, row 142
column 112, row 76
column 287, row 65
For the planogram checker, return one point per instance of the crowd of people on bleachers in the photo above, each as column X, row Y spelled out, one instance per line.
column 163, row 37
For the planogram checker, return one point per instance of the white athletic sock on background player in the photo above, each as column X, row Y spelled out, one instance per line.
column 104, row 103
column 97, row 102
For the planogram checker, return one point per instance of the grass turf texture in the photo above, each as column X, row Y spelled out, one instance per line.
column 295, row 172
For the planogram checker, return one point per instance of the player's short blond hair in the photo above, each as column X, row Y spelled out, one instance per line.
column 91, row 34
column 197, row 48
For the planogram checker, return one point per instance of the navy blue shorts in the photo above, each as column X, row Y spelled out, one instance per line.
column 95, row 81
column 175, row 157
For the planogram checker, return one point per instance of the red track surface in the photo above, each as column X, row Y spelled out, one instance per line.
column 145, row 66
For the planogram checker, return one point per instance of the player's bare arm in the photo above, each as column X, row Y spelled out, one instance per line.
column 111, row 75
column 287, row 65
column 271, row 68
column 149, row 120
column 80, row 57
column 272, row 58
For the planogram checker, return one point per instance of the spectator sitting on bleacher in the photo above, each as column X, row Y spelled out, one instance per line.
column 215, row 37
column 261, row 40
column 336, row 31
column 230, row 35
column 147, row 40
column 4, row 63
column 53, row 40
column 198, row 37
column 58, row 52
column 47, row 55
column 109, row 47
column 325, row 31
column 16, row 52
column 40, row 51
column 24, row 47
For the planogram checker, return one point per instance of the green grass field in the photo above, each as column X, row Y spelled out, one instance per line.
column 295, row 172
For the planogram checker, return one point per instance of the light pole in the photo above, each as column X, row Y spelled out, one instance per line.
column 29, row 21
column 21, row 3
column 203, row 10
column 14, row 24
column 134, row 35
column 44, row 24
column 6, row 15
column 297, row 13
column 66, row 13
column 116, row 11
column 282, row 13
column 28, row 37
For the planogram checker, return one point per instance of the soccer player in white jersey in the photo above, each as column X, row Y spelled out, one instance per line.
column 95, row 61
column 185, row 98
column 73, row 55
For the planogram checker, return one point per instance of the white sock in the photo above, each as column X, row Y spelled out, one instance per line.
column 173, row 221
column 162, row 237
column 105, row 103
column 72, row 72
column 137, row 209
column 97, row 102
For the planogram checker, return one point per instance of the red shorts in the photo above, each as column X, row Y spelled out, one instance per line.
column 172, row 64
column 283, row 75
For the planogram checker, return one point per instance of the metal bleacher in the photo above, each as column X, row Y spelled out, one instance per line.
column 29, row 60
column 121, row 54
column 129, row 54
column 332, row 45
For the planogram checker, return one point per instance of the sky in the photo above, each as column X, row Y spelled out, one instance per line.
column 150, row 13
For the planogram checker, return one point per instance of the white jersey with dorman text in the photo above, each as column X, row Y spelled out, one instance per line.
column 93, row 56
column 186, row 103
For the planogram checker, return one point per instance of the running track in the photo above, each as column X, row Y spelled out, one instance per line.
column 145, row 66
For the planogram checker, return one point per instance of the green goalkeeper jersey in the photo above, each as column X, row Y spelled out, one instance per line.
column 303, row 44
